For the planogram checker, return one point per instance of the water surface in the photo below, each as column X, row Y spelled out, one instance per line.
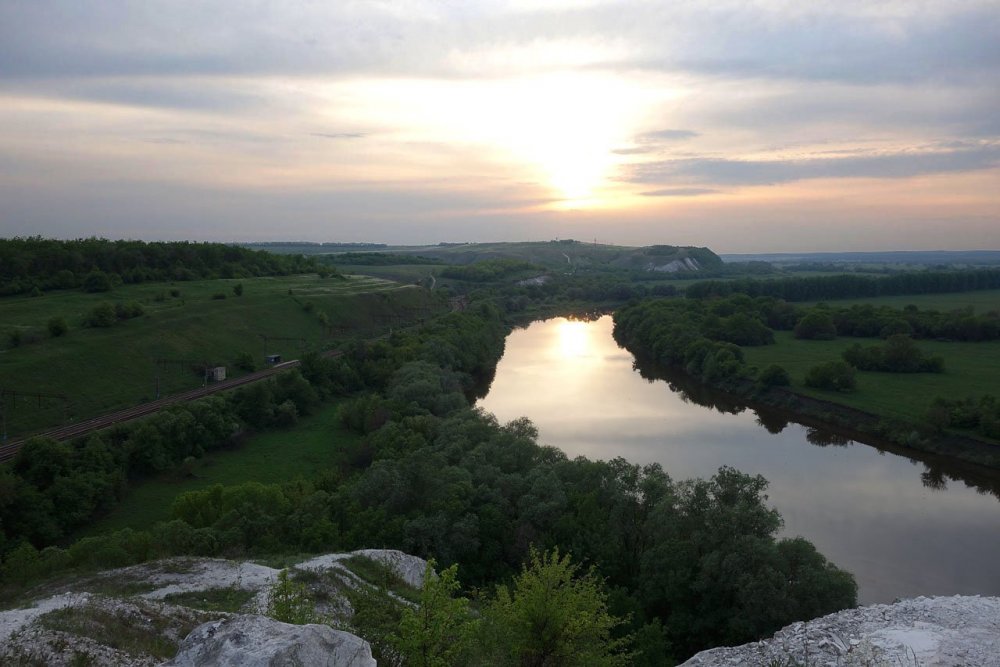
column 903, row 527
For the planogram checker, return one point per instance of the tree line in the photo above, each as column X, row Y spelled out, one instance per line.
column 34, row 264
column 818, row 288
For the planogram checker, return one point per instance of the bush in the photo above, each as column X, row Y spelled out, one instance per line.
column 175, row 293
column 103, row 315
column 836, row 375
column 219, row 296
column 774, row 376
column 97, row 281
column 238, row 289
column 245, row 361
column 816, row 325
column 57, row 327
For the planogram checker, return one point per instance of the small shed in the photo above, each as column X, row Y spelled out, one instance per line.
column 217, row 374
column 272, row 359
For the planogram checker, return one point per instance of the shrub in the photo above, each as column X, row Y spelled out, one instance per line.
column 103, row 315
column 238, row 289
column 836, row 375
column 175, row 293
column 97, row 281
column 57, row 327
column 816, row 325
column 245, row 361
column 219, row 296
column 774, row 376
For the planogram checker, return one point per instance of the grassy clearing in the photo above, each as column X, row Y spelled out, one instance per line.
column 971, row 369
column 382, row 576
column 981, row 301
column 139, row 633
column 102, row 369
column 316, row 443
column 231, row 600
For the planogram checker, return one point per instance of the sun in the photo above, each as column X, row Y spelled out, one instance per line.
column 574, row 339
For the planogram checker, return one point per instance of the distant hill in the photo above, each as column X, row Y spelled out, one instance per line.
column 566, row 254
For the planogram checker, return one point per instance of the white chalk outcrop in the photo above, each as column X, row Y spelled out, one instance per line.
column 959, row 631
column 257, row 641
column 152, row 600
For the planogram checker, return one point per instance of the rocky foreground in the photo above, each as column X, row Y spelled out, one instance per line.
column 197, row 611
column 189, row 612
column 955, row 631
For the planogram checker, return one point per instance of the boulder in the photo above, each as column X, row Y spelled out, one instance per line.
column 257, row 641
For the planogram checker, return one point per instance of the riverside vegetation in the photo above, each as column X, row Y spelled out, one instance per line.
column 687, row 565
column 677, row 565
column 772, row 351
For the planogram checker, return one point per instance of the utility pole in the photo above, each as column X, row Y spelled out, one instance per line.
column 160, row 362
column 13, row 394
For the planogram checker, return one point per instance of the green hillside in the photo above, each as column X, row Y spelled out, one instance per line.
column 105, row 368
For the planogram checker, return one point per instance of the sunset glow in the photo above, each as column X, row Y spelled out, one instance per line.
column 722, row 124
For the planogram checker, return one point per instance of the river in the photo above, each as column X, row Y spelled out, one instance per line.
column 903, row 527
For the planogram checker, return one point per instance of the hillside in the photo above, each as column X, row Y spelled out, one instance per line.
column 559, row 255
column 102, row 366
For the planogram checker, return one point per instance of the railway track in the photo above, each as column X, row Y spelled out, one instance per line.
column 9, row 449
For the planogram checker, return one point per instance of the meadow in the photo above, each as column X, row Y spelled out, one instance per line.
column 316, row 443
column 100, row 369
column 970, row 369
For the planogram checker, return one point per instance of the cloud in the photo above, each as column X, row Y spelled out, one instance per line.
column 727, row 172
column 679, row 192
column 338, row 135
column 665, row 135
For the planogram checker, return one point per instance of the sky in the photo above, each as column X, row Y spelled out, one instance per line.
column 744, row 126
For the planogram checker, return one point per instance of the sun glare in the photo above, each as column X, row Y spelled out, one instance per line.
column 560, row 128
column 574, row 339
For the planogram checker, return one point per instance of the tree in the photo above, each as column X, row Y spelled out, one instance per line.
column 288, row 601
column 816, row 325
column 837, row 375
column 97, row 281
column 774, row 376
column 553, row 616
column 440, row 631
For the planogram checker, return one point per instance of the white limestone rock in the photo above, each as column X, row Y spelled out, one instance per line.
column 257, row 641
column 956, row 631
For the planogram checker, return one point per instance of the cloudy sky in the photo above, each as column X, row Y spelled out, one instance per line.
column 744, row 125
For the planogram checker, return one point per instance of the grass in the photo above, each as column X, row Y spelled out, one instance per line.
column 971, row 369
column 102, row 369
column 382, row 576
column 231, row 600
column 148, row 633
column 981, row 301
column 317, row 442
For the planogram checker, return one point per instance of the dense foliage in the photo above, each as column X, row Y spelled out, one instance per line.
column 981, row 415
column 692, row 564
column 379, row 259
column 490, row 270
column 96, row 265
column 899, row 354
column 843, row 286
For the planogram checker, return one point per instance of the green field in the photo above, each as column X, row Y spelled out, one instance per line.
column 971, row 369
column 316, row 443
column 101, row 369
column 981, row 302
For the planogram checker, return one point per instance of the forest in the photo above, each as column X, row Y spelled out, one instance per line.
column 32, row 265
